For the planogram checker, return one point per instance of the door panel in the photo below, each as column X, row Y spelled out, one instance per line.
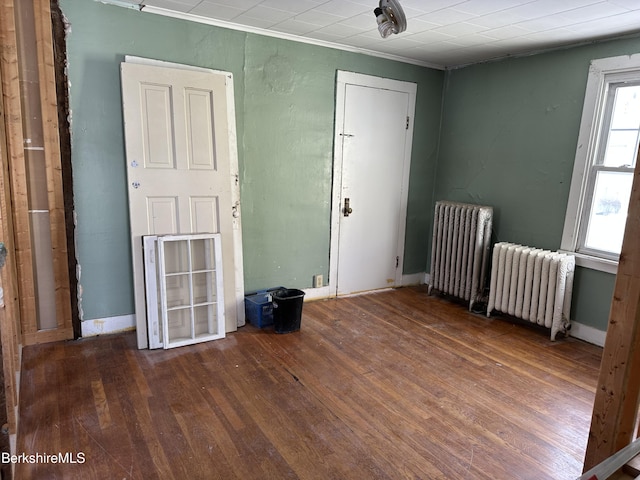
column 157, row 126
column 200, row 140
column 162, row 214
column 374, row 138
column 205, row 214
column 371, row 175
column 178, row 166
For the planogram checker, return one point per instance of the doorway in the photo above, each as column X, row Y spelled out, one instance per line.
column 372, row 156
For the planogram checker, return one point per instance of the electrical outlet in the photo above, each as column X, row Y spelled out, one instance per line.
column 317, row 281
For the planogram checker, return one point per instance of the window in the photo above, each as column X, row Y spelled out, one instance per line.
column 184, row 289
column 604, row 164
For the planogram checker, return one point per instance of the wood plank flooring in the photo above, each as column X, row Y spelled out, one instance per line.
column 390, row 385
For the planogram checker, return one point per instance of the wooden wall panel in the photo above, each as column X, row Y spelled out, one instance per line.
column 615, row 409
column 44, row 272
column 10, row 150
column 51, row 144
column 18, row 311
column 17, row 166
column 9, row 308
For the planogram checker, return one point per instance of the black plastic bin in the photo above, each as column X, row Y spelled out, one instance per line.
column 287, row 310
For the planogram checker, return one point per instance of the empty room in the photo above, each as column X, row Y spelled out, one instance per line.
column 460, row 300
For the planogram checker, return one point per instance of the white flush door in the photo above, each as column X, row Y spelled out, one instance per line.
column 178, row 168
column 373, row 136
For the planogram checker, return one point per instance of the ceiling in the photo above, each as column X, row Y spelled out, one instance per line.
column 440, row 33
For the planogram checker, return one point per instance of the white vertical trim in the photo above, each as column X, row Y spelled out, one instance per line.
column 350, row 78
column 150, row 257
column 235, row 201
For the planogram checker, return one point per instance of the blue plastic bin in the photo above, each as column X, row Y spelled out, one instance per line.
column 258, row 307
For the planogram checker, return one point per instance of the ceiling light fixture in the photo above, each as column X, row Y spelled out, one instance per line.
column 390, row 18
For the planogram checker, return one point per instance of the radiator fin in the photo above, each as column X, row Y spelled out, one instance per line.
column 532, row 284
column 460, row 249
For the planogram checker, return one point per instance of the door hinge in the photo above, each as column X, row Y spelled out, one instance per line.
column 397, row 261
column 407, row 127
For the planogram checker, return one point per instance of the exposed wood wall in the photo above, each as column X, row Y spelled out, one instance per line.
column 40, row 178
column 64, row 129
column 10, row 152
column 18, row 323
column 615, row 409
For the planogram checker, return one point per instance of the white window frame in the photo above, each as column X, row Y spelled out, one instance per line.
column 156, row 290
column 601, row 72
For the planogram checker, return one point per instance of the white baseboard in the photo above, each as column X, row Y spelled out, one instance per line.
column 317, row 293
column 325, row 292
column 414, row 279
column 103, row 326
column 588, row 334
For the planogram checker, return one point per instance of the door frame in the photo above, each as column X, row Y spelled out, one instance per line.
column 141, row 323
column 343, row 79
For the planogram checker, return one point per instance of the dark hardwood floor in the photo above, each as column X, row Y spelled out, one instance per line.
column 390, row 385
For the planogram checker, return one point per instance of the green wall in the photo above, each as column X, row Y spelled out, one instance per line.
column 285, row 98
column 509, row 135
column 508, row 139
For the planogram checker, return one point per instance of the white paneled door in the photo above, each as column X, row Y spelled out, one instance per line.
column 374, row 124
column 180, row 179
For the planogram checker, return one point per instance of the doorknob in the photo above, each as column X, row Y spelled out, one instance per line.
column 347, row 210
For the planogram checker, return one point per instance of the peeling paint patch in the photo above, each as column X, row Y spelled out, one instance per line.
column 78, row 267
column 278, row 74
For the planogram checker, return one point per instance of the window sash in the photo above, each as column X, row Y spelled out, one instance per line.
column 588, row 211
column 606, row 128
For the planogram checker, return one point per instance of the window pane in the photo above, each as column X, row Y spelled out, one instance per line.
column 176, row 256
column 622, row 141
column 179, row 322
column 621, row 148
column 202, row 256
column 626, row 111
column 609, row 211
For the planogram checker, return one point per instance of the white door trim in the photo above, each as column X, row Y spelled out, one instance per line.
column 350, row 78
column 141, row 326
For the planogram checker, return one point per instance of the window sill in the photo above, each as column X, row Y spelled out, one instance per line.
column 594, row 263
